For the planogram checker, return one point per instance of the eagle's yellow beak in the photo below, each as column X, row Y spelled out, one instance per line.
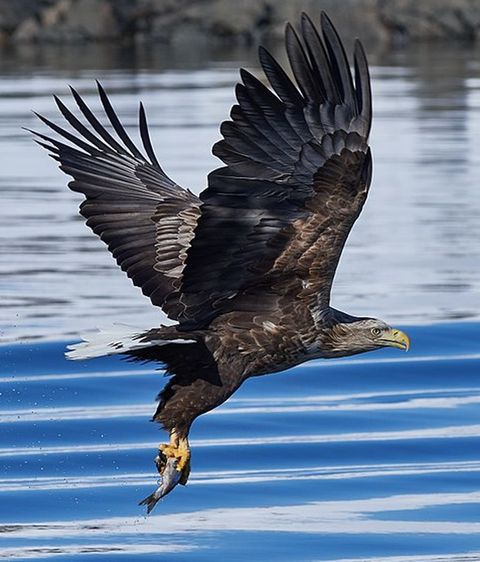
column 397, row 338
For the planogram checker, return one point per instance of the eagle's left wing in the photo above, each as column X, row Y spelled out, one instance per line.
column 297, row 172
column 145, row 218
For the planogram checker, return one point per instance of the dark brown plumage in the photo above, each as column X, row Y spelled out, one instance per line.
column 246, row 270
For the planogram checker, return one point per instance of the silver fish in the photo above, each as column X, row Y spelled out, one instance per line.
column 169, row 478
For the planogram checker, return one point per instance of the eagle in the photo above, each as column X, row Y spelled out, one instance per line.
column 245, row 270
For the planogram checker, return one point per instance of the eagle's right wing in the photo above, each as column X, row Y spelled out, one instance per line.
column 145, row 218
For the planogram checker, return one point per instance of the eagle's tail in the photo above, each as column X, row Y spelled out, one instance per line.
column 119, row 340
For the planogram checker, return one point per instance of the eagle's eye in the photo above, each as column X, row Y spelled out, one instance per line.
column 375, row 331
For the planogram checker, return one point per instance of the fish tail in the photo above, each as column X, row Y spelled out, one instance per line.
column 150, row 501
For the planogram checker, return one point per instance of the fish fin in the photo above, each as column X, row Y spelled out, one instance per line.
column 150, row 501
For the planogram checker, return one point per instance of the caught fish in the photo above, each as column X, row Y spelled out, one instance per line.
column 170, row 476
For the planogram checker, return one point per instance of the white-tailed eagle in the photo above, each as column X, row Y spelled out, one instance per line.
column 246, row 269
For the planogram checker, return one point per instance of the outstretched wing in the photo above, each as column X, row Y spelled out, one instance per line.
column 298, row 168
column 146, row 219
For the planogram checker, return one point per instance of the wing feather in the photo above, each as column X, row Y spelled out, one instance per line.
column 319, row 61
column 147, row 143
column 301, row 68
column 115, row 122
column 338, row 61
column 279, row 80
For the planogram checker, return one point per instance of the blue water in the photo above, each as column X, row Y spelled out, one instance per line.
column 374, row 458
column 360, row 459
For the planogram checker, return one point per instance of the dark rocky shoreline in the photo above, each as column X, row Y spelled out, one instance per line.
column 231, row 21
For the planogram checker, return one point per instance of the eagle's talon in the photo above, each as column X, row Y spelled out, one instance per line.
column 180, row 452
column 168, row 450
column 160, row 462
column 185, row 474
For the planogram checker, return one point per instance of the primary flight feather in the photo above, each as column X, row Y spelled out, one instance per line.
column 245, row 269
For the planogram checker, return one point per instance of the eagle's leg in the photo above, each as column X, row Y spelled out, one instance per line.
column 178, row 448
column 185, row 397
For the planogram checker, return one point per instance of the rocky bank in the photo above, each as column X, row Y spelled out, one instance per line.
column 233, row 21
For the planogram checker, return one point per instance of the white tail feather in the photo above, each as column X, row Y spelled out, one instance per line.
column 112, row 341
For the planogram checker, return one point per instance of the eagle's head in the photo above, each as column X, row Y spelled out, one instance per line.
column 348, row 335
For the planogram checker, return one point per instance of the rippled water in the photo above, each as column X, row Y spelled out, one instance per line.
column 372, row 458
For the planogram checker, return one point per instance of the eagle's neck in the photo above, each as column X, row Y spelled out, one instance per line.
column 327, row 321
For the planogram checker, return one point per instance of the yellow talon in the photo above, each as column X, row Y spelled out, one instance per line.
column 169, row 450
column 183, row 458
column 180, row 450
